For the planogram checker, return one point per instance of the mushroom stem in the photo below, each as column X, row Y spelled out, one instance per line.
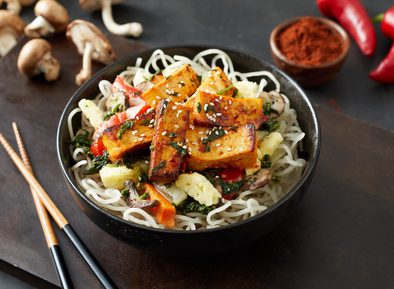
column 39, row 27
column 49, row 66
column 86, row 70
column 7, row 41
column 133, row 28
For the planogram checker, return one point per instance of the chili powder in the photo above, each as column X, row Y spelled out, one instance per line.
column 308, row 41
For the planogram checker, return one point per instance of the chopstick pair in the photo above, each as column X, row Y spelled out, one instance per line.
column 37, row 190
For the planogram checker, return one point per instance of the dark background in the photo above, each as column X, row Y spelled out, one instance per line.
column 246, row 25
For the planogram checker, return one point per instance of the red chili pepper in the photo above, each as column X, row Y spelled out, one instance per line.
column 385, row 71
column 353, row 16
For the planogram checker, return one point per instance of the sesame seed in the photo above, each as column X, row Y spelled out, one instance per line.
column 174, row 107
column 201, row 132
column 221, row 97
column 187, row 140
column 140, row 139
column 229, row 149
column 152, row 121
column 146, row 162
column 150, row 126
column 179, row 85
column 226, row 132
column 190, row 126
column 206, row 107
column 177, row 126
column 216, row 132
column 226, row 108
column 168, row 99
column 184, row 147
column 135, row 140
column 167, row 85
column 158, row 97
column 179, row 111
column 218, row 114
column 134, row 132
column 207, row 131
column 230, row 102
column 163, row 133
column 212, row 104
column 211, row 83
column 154, row 102
column 141, row 135
column 137, row 117
column 218, row 144
column 217, row 100
column 194, row 143
column 190, row 153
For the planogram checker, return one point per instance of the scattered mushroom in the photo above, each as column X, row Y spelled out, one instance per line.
column 134, row 201
column 128, row 29
column 276, row 100
column 258, row 180
column 13, row 6
column 35, row 58
column 118, row 98
column 11, row 27
column 51, row 18
column 145, row 86
column 91, row 43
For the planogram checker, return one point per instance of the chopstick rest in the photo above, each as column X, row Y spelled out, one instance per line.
column 90, row 260
column 56, row 253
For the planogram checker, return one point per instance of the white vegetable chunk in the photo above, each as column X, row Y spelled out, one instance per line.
column 199, row 188
column 114, row 177
column 269, row 144
column 92, row 112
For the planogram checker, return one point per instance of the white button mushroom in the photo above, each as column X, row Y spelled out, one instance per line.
column 13, row 6
column 35, row 58
column 11, row 27
column 91, row 43
column 51, row 18
column 128, row 29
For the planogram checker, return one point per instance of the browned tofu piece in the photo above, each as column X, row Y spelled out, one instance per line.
column 236, row 147
column 168, row 141
column 217, row 110
column 216, row 81
column 183, row 83
column 136, row 138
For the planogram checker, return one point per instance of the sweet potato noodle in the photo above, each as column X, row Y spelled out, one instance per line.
column 285, row 161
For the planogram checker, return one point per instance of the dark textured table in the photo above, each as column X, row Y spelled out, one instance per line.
column 341, row 234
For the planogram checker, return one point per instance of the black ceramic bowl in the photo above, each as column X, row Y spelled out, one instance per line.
column 204, row 242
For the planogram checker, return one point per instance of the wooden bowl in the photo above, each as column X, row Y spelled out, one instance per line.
column 310, row 75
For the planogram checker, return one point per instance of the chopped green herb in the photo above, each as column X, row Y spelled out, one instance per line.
column 210, row 108
column 131, row 158
column 161, row 165
column 97, row 164
column 179, row 147
column 125, row 192
column 235, row 92
column 211, row 174
column 224, row 90
column 143, row 177
column 199, row 77
column 168, row 77
column 230, row 188
column 137, row 93
column 266, row 161
column 270, row 125
column 145, row 122
column 268, row 110
column 173, row 93
column 181, row 83
column 172, row 134
column 191, row 205
column 152, row 147
column 154, row 74
column 214, row 134
column 276, row 179
column 198, row 107
column 234, row 128
column 126, row 125
column 164, row 114
column 82, row 141
column 112, row 112
column 144, row 196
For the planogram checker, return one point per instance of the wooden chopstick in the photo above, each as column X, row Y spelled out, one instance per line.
column 90, row 260
column 53, row 245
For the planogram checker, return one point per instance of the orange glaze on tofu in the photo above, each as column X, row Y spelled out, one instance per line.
column 171, row 123
column 133, row 139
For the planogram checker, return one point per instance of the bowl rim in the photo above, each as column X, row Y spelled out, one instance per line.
column 71, row 182
column 330, row 23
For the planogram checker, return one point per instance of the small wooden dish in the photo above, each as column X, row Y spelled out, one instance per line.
column 310, row 75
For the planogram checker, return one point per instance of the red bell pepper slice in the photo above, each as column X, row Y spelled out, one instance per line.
column 354, row 17
column 384, row 72
column 97, row 148
column 230, row 175
column 119, row 84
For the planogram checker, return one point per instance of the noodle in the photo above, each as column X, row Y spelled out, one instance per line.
column 285, row 164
